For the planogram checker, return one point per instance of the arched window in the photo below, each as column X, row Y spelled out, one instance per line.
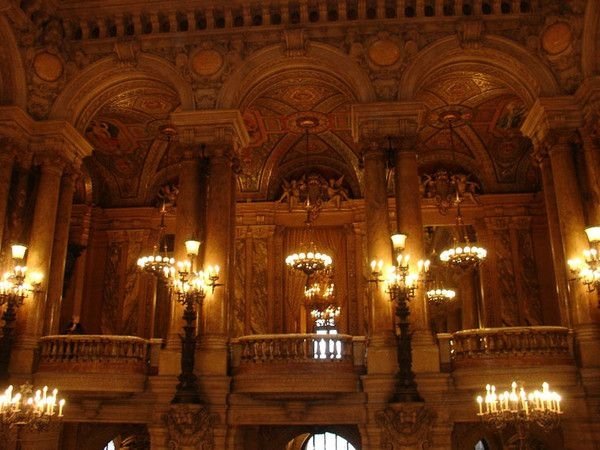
column 110, row 446
column 482, row 445
column 327, row 441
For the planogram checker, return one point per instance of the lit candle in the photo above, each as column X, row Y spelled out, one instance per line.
column 61, row 404
column 480, row 403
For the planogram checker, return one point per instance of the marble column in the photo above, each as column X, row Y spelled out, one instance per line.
column 591, row 160
column 410, row 222
column 187, row 226
column 382, row 337
column 556, row 244
column 59, row 253
column 571, row 217
column 39, row 257
column 6, row 167
column 409, row 219
column 220, row 229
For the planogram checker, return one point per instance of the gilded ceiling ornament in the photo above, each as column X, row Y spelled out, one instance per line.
column 47, row 66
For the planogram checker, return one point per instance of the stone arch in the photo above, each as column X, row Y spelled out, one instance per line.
column 13, row 82
column 504, row 57
column 106, row 73
column 320, row 57
column 590, row 51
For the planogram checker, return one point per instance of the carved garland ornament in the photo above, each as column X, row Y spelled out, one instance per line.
column 405, row 427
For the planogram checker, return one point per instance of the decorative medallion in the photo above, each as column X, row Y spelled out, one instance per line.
column 47, row 66
column 384, row 52
column 557, row 38
column 206, row 62
column 313, row 121
column 457, row 115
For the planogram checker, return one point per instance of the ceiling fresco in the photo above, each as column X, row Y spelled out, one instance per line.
column 122, row 132
column 277, row 150
column 490, row 140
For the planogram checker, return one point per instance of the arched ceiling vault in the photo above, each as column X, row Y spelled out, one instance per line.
column 273, row 109
column 489, row 145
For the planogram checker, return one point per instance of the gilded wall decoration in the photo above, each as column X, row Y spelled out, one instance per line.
column 315, row 190
column 259, row 317
column 532, row 306
column 509, row 296
column 446, row 187
column 135, row 313
column 238, row 308
column 111, row 288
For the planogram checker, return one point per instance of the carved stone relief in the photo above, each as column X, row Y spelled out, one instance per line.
column 405, row 426
column 190, row 427
column 259, row 318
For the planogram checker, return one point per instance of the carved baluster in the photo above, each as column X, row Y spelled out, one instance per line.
column 401, row 8
column 458, row 4
column 515, row 8
column 381, row 9
column 266, row 13
column 477, row 7
column 342, row 10
column 209, row 14
column 228, row 16
column 496, row 6
column 285, row 11
column 419, row 8
column 439, row 7
column 362, row 9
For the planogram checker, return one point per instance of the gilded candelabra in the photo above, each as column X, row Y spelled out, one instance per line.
column 587, row 271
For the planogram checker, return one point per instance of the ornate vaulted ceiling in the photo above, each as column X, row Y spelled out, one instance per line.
column 489, row 144
column 278, row 149
column 124, row 131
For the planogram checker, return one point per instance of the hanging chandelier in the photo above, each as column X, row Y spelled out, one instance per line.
column 319, row 294
column 308, row 259
column 159, row 263
column 440, row 295
column 463, row 254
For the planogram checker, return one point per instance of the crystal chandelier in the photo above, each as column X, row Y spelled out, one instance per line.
column 320, row 299
column 463, row 254
column 588, row 270
column 26, row 408
column 520, row 409
column 158, row 263
column 440, row 295
column 308, row 259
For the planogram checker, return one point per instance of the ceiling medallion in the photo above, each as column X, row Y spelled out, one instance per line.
column 307, row 121
column 456, row 115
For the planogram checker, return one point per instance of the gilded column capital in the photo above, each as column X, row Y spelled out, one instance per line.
column 50, row 163
column 375, row 121
column 552, row 117
column 588, row 97
column 210, row 127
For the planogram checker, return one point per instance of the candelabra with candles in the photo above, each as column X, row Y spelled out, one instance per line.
column 587, row 271
column 190, row 289
column 15, row 287
column 24, row 408
column 519, row 409
column 401, row 285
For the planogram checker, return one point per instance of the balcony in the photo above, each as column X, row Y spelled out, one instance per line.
column 539, row 350
column 97, row 363
column 284, row 365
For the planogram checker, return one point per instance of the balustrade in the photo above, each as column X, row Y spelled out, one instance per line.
column 269, row 13
column 91, row 353
column 295, row 347
column 522, row 344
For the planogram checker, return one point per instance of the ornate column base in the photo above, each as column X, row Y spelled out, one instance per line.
column 405, row 426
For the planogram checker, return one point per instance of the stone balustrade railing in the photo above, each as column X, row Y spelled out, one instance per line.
column 552, row 344
column 169, row 18
column 97, row 353
column 269, row 348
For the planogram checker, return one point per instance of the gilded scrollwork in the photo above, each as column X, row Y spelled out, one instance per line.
column 190, row 426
